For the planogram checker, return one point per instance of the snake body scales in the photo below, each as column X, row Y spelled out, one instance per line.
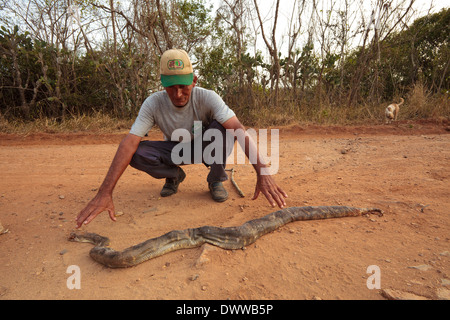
column 226, row 237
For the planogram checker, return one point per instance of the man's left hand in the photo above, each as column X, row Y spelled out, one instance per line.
column 274, row 194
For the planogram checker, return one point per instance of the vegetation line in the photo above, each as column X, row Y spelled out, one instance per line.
column 93, row 63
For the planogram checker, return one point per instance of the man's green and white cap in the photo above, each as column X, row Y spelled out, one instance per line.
column 176, row 68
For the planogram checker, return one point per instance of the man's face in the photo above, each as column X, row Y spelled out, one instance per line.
column 180, row 94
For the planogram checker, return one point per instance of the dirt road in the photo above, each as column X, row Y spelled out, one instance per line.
column 403, row 169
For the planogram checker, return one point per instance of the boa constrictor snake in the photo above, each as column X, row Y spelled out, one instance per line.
column 226, row 237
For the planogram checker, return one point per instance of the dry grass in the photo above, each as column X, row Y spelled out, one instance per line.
column 324, row 114
column 98, row 123
column 419, row 104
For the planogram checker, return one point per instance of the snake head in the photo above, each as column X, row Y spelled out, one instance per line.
column 79, row 238
column 73, row 237
column 93, row 238
column 376, row 211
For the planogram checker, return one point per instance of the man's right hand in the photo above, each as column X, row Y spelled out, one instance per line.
column 96, row 206
column 103, row 200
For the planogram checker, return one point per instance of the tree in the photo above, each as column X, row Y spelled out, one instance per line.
column 273, row 51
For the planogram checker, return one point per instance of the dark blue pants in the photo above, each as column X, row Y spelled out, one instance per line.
column 154, row 157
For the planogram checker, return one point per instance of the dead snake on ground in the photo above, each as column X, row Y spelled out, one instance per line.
column 226, row 237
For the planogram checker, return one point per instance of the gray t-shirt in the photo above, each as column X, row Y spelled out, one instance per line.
column 204, row 105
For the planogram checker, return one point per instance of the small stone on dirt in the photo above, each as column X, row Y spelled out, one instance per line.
column 393, row 294
column 423, row 267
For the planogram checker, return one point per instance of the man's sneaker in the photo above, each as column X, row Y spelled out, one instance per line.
column 218, row 192
column 171, row 185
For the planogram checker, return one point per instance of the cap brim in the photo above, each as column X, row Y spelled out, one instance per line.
column 179, row 79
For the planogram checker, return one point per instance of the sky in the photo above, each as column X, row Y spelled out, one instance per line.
column 420, row 7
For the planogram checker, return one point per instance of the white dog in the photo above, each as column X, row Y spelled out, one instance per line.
column 392, row 111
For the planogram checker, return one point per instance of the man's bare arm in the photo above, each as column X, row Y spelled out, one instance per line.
column 265, row 183
column 103, row 200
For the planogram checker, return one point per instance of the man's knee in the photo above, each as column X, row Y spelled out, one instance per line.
column 150, row 153
column 215, row 125
column 227, row 138
column 141, row 162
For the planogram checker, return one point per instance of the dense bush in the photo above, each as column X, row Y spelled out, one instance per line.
column 63, row 79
